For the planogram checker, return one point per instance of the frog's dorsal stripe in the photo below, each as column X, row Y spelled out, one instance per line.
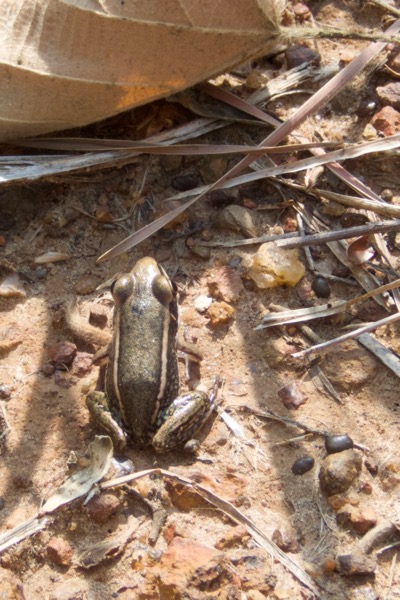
column 116, row 362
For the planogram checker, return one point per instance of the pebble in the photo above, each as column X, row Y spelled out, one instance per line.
column 2, row 503
column 102, row 507
column 59, row 552
column 5, row 391
column 237, row 218
column 387, row 121
column 220, row 313
column 203, row 252
column 390, row 94
column 48, row 369
column 291, row 396
column 285, row 540
column 302, row 465
column 99, row 315
column 225, row 284
column 338, row 443
column 82, row 364
column 86, row 285
column 361, row 519
column 273, row 266
column 202, row 303
column 338, row 471
column 297, row 55
column 356, row 564
column 62, row 353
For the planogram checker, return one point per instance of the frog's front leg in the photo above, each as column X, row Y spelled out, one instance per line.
column 99, row 410
column 181, row 419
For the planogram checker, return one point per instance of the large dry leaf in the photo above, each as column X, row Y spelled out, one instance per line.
column 66, row 63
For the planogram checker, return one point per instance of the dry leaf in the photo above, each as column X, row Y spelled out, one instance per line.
column 66, row 63
column 360, row 250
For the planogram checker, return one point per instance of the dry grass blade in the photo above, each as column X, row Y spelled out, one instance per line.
column 235, row 514
column 324, row 310
column 348, row 336
column 380, row 208
column 340, row 234
column 324, row 95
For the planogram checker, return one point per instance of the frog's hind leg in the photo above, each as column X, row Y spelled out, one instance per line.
column 181, row 419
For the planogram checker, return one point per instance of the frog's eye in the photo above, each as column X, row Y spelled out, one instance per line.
column 163, row 290
column 122, row 289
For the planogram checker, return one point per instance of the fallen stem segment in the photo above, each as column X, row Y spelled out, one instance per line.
column 340, row 234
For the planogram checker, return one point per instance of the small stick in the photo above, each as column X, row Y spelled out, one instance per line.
column 340, row 234
column 348, row 336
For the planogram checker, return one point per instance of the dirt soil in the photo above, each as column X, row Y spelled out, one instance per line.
column 200, row 553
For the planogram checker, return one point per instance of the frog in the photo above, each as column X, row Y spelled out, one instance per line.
column 140, row 403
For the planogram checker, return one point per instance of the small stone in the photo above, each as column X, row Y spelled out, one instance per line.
column 237, row 218
column 387, row 121
column 302, row 465
column 390, row 94
column 202, row 303
column 273, row 266
column 362, row 519
column 86, row 285
column 254, row 595
column 301, row 11
column 338, row 471
column 220, row 313
column 62, row 378
column 2, row 503
column 99, row 315
column 225, row 284
column 285, row 540
column 356, row 564
column 291, row 396
column 203, row 252
column 183, row 183
column 102, row 507
column 62, row 353
column 297, row 55
column 59, row 552
column 235, row 538
column 82, row 364
column 5, row 391
column 48, row 369
column 337, row 501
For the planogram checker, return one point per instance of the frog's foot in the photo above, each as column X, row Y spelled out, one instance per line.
column 100, row 413
column 181, row 419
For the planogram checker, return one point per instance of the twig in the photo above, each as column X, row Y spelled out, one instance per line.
column 380, row 208
column 235, row 514
column 348, row 336
column 388, row 7
column 340, row 234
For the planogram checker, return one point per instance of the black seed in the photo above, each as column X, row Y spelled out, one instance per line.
column 302, row 465
column 338, row 443
column 320, row 286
